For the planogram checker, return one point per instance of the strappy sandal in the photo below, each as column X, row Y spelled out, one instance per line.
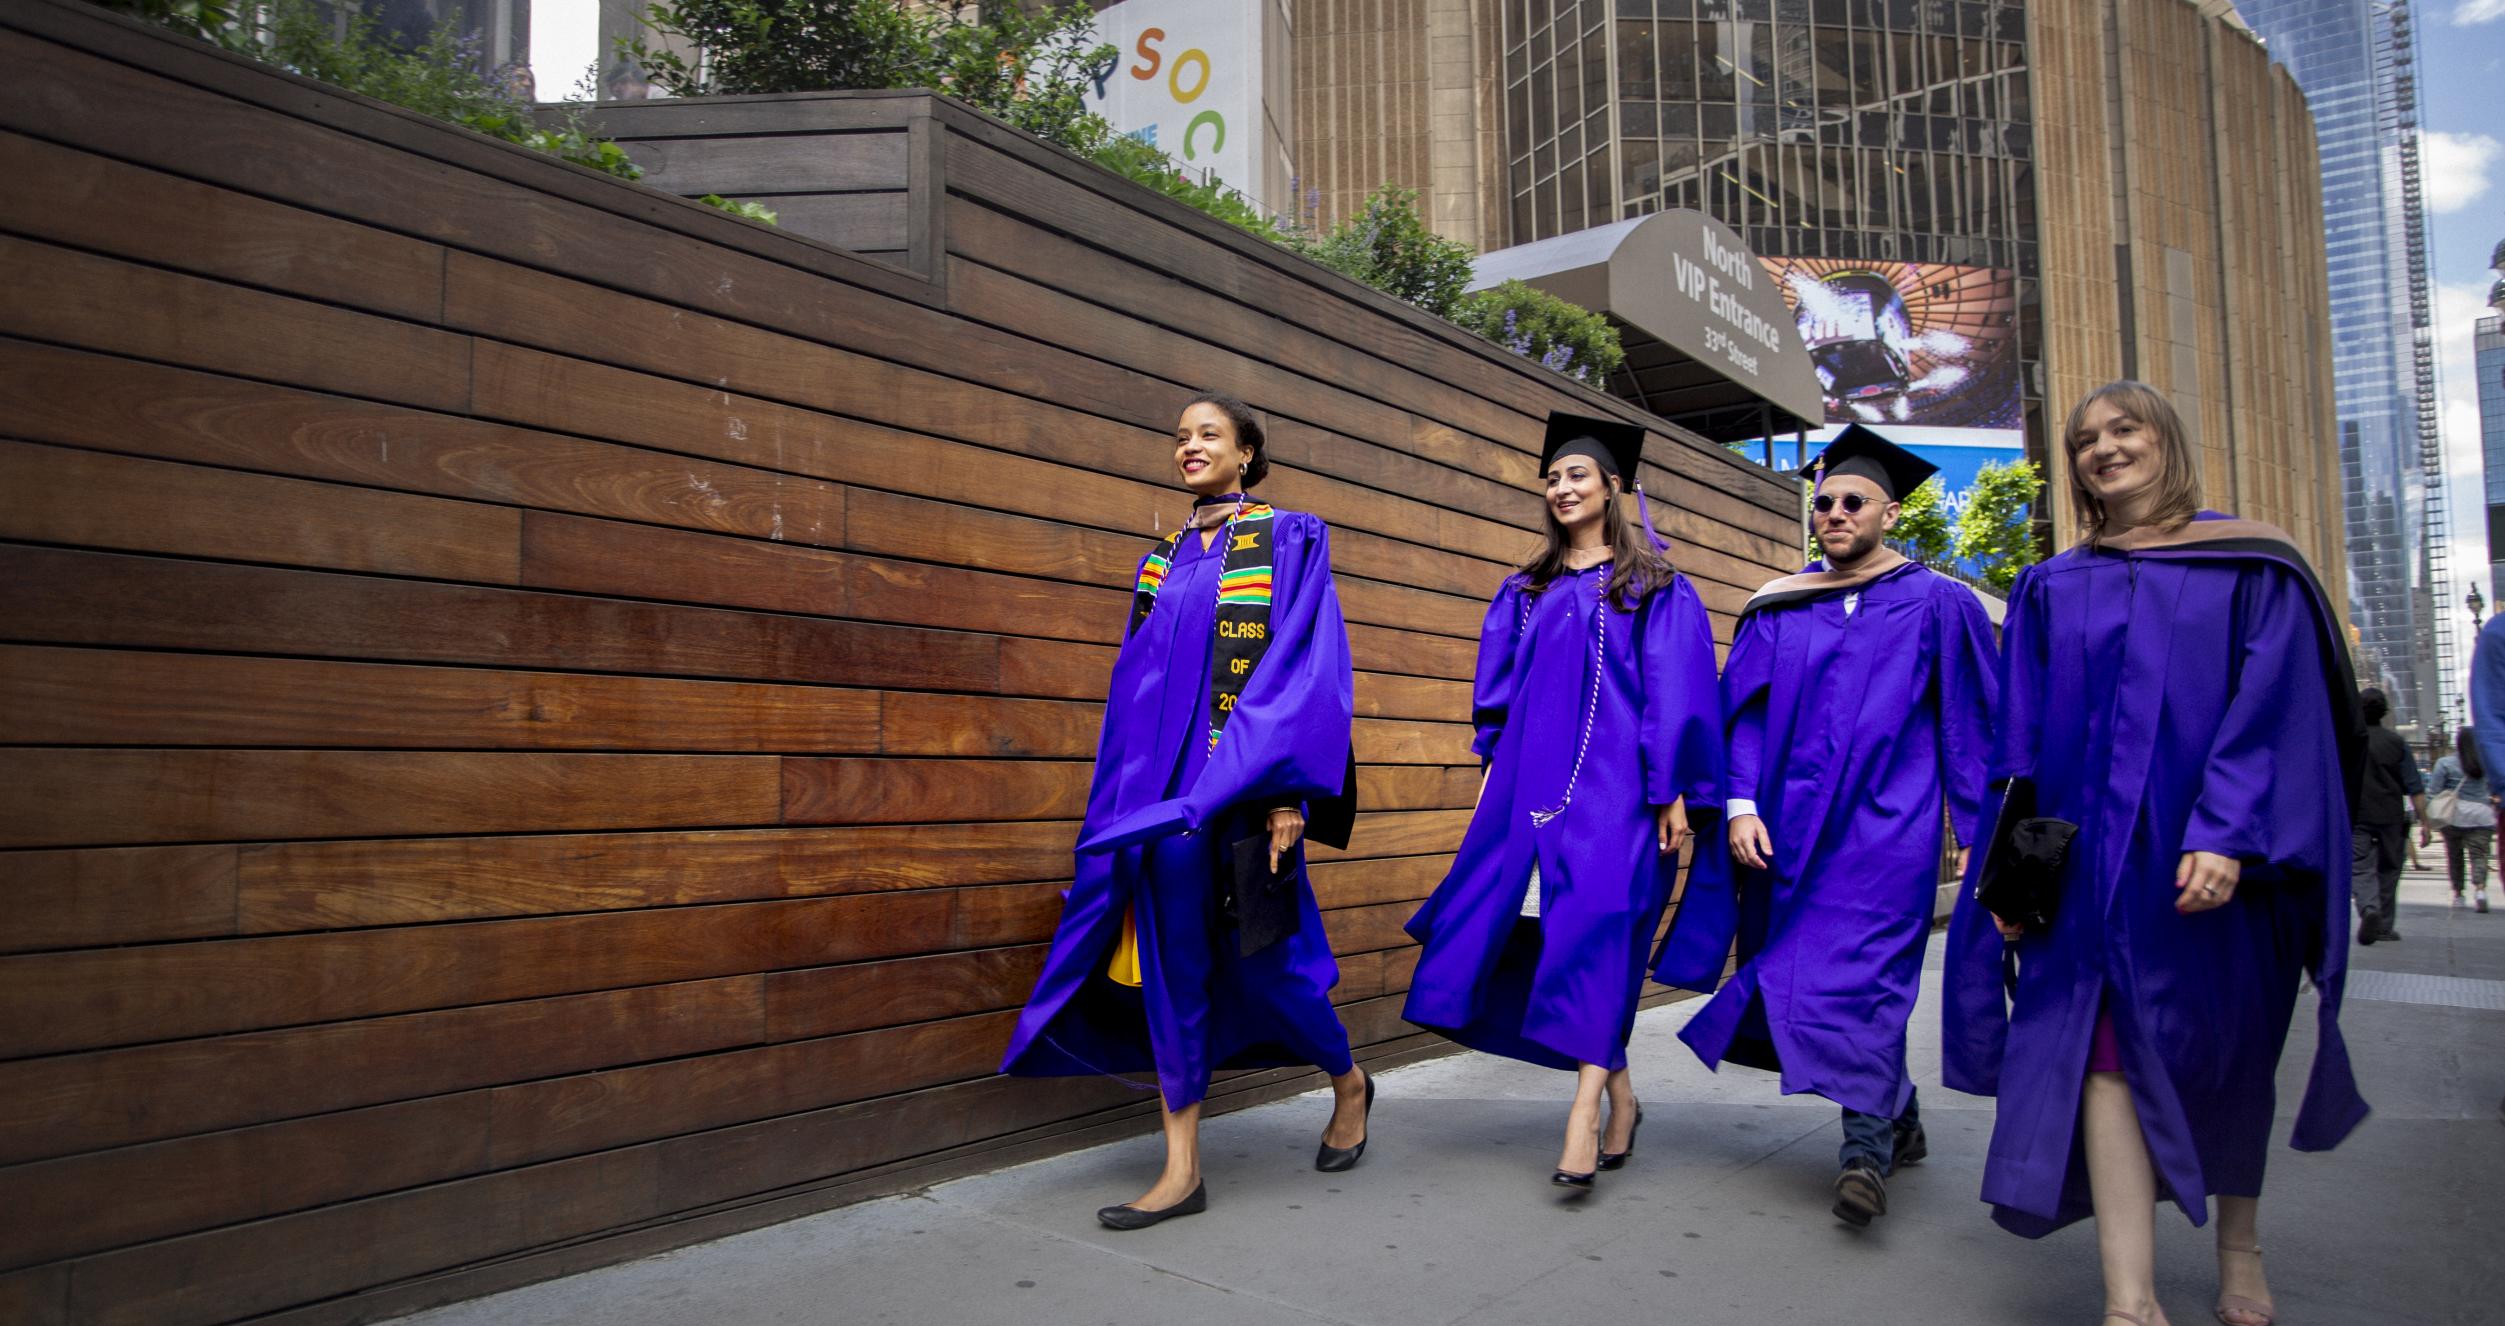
column 2227, row 1303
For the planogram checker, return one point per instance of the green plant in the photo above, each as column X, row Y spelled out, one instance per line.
column 752, row 211
column 1389, row 246
column 1538, row 325
column 443, row 76
column 219, row 21
column 1030, row 69
column 1996, row 531
column 1923, row 530
column 1143, row 164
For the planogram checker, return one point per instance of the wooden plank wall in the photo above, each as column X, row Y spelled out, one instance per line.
column 539, row 721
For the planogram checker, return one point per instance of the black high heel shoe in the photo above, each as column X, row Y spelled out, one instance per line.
column 1618, row 1159
column 1566, row 1178
column 1127, row 1216
column 1333, row 1159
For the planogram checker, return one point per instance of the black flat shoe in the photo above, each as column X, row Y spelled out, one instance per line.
column 1127, row 1216
column 1333, row 1159
column 1617, row 1159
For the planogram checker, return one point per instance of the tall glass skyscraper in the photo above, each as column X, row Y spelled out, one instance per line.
column 2488, row 354
column 2354, row 59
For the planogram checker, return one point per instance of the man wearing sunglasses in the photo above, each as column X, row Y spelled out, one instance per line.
column 1857, row 697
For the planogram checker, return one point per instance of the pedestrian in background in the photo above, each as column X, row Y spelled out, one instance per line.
column 1600, row 725
column 2460, row 805
column 2176, row 688
column 1225, row 744
column 2390, row 796
column 1857, row 707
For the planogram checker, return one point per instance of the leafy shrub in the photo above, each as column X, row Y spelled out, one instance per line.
column 1996, row 531
column 1535, row 324
column 1387, row 245
column 1030, row 69
column 1923, row 530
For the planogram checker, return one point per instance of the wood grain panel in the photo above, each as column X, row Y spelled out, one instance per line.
column 92, row 697
column 1388, row 741
column 118, row 895
column 315, row 886
column 1388, row 695
column 51, row 495
column 1409, row 879
column 66, row 1104
column 571, row 553
column 843, row 791
column 94, row 202
column 106, row 404
column 741, row 166
column 105, row 997
column 82, row 299
column 927, row 723
column 863, row 222
column 1411, row 787
column 827, row 1001
column 54, row 797
column 109, row 599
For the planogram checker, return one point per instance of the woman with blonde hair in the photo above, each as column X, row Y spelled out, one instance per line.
column 2175, row 688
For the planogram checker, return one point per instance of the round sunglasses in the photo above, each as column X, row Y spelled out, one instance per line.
column 1853, row 503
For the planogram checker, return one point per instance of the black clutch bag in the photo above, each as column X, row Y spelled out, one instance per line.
column 1260, row 904
column 2021, row 877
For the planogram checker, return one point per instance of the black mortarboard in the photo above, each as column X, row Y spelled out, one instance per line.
column 1859, row 451
column 1615, row 445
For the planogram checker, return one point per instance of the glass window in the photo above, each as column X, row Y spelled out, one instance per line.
column 1878, row 191
column 1869, row 74
column 1717, row 62
column 1905, row 76
column 1595, row 71
column 1522, row 233
column 1637, row 61
column 1835, row 67
column 1640, row 163
column 1677, row 65
column 1678, row 119
column 1599, row 196
column 1570, row 198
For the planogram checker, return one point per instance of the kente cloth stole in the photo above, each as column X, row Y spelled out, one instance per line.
column 1243, row 618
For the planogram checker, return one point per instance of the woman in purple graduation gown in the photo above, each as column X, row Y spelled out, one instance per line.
column 2175, row 686
column 1226, row 722
column 1599, row 724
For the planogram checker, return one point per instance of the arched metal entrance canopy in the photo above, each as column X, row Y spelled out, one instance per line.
column 1710, row 344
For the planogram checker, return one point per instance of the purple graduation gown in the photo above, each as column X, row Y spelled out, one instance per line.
column 1562, row 991
column 2165, row 701
column 1199, row 1006
column 1845, row 730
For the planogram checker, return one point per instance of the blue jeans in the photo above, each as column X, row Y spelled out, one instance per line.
column 1871, row 1138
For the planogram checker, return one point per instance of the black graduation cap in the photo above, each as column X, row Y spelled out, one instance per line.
column 1615, row 445
column 1859, row 451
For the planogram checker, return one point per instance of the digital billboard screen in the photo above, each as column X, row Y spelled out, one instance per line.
column 1910, row 348
column 1926, row 354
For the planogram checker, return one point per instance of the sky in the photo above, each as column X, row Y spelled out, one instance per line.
column 2461, row 61
column 565, row 40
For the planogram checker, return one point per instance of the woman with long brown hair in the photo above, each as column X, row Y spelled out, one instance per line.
column 2175, row 688
column 1599, row 723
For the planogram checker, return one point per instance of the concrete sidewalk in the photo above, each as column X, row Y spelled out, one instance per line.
column 1720, row 1218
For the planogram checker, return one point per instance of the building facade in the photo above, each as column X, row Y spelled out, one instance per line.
column 2488, row 356
column 2354, row 59
column 2061, row 193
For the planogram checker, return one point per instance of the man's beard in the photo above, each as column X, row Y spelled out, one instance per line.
column 1861, row 545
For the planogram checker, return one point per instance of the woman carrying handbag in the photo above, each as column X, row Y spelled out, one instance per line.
column 2461, row 806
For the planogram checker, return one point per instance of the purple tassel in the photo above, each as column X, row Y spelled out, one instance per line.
column 1644, row 512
